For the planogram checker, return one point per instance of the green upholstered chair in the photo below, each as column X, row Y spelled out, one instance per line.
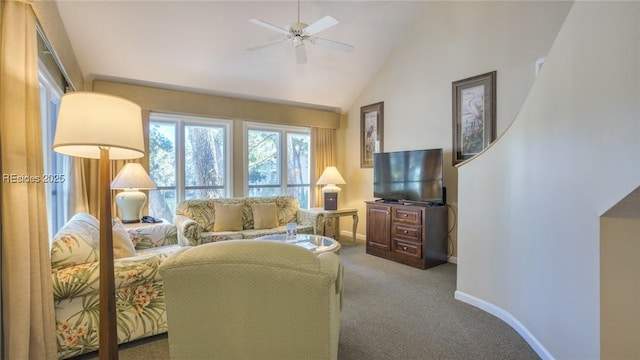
column 252, row 299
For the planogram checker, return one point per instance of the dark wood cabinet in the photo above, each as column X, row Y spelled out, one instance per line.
column 414, row 235
column 378, row 227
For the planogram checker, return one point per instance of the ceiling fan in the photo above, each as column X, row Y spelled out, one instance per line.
column 299, row 32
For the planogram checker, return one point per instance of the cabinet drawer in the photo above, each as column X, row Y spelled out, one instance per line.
column 410, row 233
column 406, row 248
column 407, row 215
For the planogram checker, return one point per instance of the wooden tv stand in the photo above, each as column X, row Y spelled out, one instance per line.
column 413, row 234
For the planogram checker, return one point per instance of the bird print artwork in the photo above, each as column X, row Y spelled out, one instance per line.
column 472, row 120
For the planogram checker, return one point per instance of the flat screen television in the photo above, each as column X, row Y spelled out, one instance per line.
column 411, row 176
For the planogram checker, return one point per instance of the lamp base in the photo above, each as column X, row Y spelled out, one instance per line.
column 130, row 203
column 330, row 200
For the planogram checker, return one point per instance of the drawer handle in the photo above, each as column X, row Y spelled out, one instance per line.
column 405, row 215
column 404, row 248
column 405, row 231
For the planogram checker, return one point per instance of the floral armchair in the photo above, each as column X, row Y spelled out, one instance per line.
column 140, row 304
column 198, row 223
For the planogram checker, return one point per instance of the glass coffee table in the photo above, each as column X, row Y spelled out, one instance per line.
column 314, row 243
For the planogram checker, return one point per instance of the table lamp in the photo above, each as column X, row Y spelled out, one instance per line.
column 131, row 179
column 100, row 126
column 330, row 177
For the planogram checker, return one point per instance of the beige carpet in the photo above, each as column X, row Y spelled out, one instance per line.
column 393, row 311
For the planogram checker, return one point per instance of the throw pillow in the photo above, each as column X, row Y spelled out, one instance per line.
column 122, row 244
column 228, row 217
column 265, row 216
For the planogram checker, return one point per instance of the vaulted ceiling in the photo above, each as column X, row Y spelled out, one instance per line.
column 201, row 46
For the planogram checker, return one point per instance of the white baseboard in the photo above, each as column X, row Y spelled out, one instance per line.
column 507, row 318
column 453, row 259
column 360, row 239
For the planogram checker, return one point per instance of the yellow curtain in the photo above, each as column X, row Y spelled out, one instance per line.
column 28, row 320
column 323, row 142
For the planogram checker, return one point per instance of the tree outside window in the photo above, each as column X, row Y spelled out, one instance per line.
column 187, row 160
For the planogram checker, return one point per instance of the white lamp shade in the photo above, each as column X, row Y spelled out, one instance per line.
column 133, row 176
column 89, row 121
column 330, row 176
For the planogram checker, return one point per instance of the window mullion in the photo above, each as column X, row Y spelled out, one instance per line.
column 284, row 160
column 180, row 160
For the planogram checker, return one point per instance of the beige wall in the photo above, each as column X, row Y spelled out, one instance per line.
column 449, row 41
column 184, row 102
column 530, row 206
column 620, row 288
column 238, row 110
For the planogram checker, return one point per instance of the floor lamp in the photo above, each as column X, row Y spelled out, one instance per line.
column 99, row 126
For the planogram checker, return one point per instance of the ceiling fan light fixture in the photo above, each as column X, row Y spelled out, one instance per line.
column 298, row 32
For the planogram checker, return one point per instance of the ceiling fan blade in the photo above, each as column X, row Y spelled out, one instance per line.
column 301, row 54
column 333, row 44
column 322, row 24
column 272, row 43
column 269, row 26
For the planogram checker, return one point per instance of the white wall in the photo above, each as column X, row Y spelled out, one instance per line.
column 530, row 207
column 449, row 41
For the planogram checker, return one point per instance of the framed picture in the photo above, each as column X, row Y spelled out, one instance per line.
column 474, row 115
column 371, row 132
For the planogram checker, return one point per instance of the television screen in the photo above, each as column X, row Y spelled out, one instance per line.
column 414, row 175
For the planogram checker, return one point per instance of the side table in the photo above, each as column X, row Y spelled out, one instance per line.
column 332, row 215
column 131, row 226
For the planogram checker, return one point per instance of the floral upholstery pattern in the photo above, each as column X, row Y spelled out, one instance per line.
column 77, row 242
column 140, row 303
column 154, row 236
column 195, row 219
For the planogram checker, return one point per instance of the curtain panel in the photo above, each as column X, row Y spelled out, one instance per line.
column 28, row 322
column 323, row 141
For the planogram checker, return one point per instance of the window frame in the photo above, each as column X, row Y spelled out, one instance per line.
column 54, row 164
column 284, row 130
column 181, row 122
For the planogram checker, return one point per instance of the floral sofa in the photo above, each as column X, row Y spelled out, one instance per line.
column 140, row 303
column 198, row 222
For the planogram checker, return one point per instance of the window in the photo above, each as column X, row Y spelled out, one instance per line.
column 189, row 158
column 56, row 166
column 277, row 161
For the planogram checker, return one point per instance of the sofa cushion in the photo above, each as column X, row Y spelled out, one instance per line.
column 122, row 244
column 77, row 242
column 228, row 217
column 265, row 216
column 286, row 208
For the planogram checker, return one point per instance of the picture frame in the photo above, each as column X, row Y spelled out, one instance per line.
column 371, row 132
column 474, row 115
